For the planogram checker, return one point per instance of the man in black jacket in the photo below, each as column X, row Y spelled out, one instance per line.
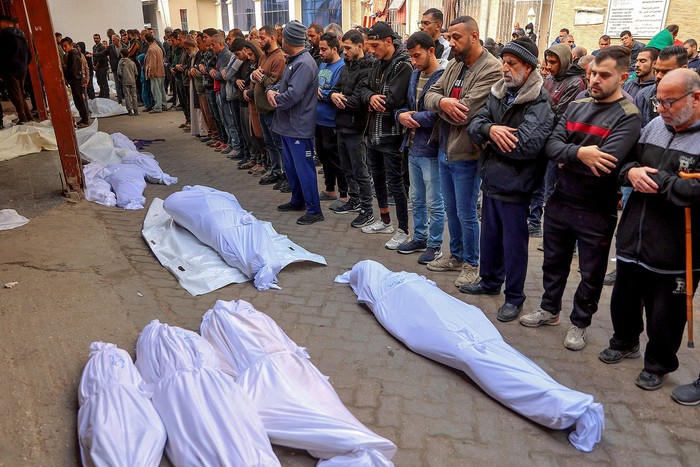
column 99, row 57
column 14, row 59
column 114, row 53
column 651, row 237
column 516, row 123
column 384, row 91
column 591, row 142
column 76, row 79
column 350, row 123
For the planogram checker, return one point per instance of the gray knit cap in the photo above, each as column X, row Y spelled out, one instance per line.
column 524, row 49
column 294, row 33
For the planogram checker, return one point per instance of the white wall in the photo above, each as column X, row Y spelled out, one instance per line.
column 80, row 19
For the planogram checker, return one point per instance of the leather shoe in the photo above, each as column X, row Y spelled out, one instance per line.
column 287, row 207
column 508, row 312
column 478, row 289
column 308, row 219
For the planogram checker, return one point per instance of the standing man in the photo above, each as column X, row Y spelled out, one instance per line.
column 590, row 144
column 384, row 92
column 516, row 122
column 314, row 33
column 651, row 238
column 633, row 46
column 14, row 60
column 114, row 52
column 422, row 150
column 267, row 74
column 294, row 100
column 326, row 137
column 100, row 62
column 691, row 46
column 350, row 123
column 563, row 32
column 603, row 43
column 431, row 24
column 177, row 68
column 643, row 69
column 670, row 58
column 457, row 96
column 207, row 64
column 155, row 73
column 563, row 84
column 76, row 79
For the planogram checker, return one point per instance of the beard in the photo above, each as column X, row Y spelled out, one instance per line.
column 514, row 80
column 266, row 46
column 461, row 56
column 681, row 118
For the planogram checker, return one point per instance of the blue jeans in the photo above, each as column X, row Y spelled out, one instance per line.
column 460, row 191
column 273, row 144
column 227, row 111
column 426, row 196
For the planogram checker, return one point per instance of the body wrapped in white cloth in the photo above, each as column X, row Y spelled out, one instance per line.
column 438, row 326
column 208, row 417
column 296, row 403
column 117, row 423
column 218, row 220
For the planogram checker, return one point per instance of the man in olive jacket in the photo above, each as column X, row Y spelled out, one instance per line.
column 457, row 96
column 516, row 122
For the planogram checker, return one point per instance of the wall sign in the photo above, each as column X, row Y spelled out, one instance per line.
column 644, row 18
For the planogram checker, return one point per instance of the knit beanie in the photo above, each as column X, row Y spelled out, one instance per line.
column 524, row 49
column 294, row 33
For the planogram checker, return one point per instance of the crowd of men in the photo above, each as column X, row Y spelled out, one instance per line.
column 549, row 144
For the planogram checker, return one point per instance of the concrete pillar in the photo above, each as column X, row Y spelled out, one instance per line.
column 258, row 14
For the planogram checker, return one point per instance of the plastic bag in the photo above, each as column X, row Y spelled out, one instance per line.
column 128, row 183
column 218, row 220
column 9, row 219
column 210, row 421
column 296, row 403
column 436, row 325
column 117, row 423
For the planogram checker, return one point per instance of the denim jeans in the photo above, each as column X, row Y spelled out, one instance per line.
column 216, row 113
column 273, row 144
column 426, row 195
column 460, row 191
column 227, row 111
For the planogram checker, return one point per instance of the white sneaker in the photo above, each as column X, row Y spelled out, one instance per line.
column 399, row 237
column 575, row 339
column 379, row 227
column 539, row 317
column 468, row 275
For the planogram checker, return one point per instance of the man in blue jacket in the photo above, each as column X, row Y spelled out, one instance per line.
column 423, row 169
column 294, row 98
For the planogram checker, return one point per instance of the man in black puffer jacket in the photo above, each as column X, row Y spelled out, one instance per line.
column 384, row 92
column 350, row 123
column 514, row 125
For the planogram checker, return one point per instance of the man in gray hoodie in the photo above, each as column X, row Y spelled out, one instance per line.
column 294, row 99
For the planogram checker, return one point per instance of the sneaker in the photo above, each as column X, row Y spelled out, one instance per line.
column 508, row 312
column 363, row 219
column 285, row 187
column 350, row 206
column 688, row 394
column 413, row 246
column 444, row 264
column 468, row 275
column 324, row 196
column 378, row 227
column 539, row 317
column 338, row 203
column 397, row 240
column 611, row 356
column 279, row 184
column 610, row 277
column 575, row 338
column 269, row 180
column 478, row 289
column 650, row 381
column 230, row 150
column 430, row 254
column 534, row 231
column 286, row 207
column 308, row 219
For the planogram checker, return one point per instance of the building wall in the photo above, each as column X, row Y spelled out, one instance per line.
column 80, row 19
column 587, row 35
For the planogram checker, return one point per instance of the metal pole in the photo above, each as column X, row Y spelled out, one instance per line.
column 41, row 29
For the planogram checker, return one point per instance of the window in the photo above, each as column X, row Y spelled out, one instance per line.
column 323, row 12
column 225, row 22
column 244, row 14
column 183, row 20
column 275, row 11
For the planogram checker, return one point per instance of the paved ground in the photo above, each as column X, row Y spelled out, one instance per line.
column 86, row 274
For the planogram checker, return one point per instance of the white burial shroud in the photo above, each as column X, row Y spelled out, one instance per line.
column 217, row 219
column 117, row 423
column 208, row 417
column 438, row 326
column 296, row 403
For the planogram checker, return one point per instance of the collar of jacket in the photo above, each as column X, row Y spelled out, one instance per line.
column 528, row 92
column 691, row 129
column 291, row 58
column 270, row 54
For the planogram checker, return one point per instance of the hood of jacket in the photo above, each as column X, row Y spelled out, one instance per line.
column 528, row 92
column 563, row 51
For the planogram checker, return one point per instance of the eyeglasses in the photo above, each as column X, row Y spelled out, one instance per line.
column 667, row 103
column 425, row 23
